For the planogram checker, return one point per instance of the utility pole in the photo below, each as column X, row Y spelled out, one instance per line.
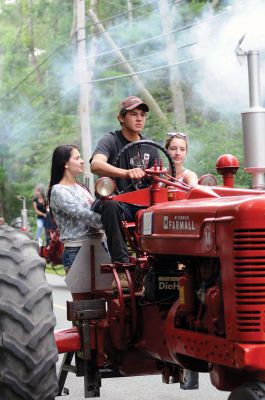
column 153, row 105
column 84, row 92
column 2, row 187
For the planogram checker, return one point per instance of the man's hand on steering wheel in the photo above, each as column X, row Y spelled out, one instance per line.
column 135, row 173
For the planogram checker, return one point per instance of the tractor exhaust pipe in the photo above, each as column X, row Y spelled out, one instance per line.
column 253, row 120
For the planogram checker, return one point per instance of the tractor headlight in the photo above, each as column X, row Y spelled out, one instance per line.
column 207, row 180
column 105, row 187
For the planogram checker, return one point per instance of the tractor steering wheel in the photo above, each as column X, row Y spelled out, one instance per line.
column 126, row 149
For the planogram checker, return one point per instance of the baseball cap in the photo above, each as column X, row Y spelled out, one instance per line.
column 132, row 102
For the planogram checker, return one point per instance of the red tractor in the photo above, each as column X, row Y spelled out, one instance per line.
column 195, row 299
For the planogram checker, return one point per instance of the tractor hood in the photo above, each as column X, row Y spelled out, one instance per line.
column 190, row 226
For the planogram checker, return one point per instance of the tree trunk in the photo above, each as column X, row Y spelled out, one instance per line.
column 127, row 68
column 215, row 3
column 32, row 55
column 171, row 54
column 129, row 6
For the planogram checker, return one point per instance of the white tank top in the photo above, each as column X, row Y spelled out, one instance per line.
column 181, row 178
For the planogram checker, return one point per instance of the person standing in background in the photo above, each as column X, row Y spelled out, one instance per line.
column 39, row 205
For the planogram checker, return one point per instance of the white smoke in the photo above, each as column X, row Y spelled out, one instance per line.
column 222, row 82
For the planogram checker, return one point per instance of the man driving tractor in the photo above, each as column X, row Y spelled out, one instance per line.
column 128, row 174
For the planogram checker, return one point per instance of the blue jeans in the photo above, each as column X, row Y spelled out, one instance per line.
column 69, row 255
column 112, row 214
column 40, row 226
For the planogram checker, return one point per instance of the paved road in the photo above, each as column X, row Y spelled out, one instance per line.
column 134, row 388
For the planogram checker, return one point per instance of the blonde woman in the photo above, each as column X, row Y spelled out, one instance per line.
column 177, row 146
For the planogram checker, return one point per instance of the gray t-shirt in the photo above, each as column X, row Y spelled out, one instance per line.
column 138, row 156
column 72, row 212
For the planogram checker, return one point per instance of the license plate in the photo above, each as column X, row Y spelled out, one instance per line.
column 147, row 223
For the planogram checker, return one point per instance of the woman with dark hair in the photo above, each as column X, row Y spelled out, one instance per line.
column 70, row 202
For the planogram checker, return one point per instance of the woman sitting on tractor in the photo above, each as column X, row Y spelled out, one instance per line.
column 177, row 146
column 70, row 202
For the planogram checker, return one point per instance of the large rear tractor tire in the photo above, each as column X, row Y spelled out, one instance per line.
column 28, row 352
column 249, row 391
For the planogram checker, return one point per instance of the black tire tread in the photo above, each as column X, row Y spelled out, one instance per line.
column 28, row 352
column 249, row 391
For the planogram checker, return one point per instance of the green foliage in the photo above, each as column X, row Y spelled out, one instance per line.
column 32, row 120
column 39, row 97
column 55, row 270
column 196, row 7
column 218, row 139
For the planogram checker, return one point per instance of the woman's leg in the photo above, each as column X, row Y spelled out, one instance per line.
column 40, row 225
column 69, row 255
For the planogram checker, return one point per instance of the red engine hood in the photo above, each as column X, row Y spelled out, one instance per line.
column 190, row 226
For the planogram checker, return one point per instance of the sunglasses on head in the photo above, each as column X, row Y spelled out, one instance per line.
column 173, row 134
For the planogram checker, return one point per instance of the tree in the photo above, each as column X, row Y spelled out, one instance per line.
column 39, row 92
column 167, row 15
column 127, row 68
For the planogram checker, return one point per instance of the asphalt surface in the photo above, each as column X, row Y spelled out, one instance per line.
column 56, row 281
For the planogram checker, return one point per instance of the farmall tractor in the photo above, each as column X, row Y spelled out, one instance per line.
column 196, row 289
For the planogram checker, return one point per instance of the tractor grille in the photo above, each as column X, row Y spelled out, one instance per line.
column 249, row 273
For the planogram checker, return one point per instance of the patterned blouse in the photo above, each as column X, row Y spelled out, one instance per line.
column 71, row 208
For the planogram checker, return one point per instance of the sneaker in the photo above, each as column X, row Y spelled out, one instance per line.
column 124, row 282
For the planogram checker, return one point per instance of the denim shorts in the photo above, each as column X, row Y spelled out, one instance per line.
column 69, row 255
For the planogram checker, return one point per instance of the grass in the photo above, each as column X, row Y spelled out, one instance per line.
column 55, row 270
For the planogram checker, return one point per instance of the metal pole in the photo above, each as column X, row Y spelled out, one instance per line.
column 254, row 78
column 253, row 120
column 24, row 214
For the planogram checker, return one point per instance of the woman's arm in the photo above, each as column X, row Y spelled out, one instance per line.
column 63, row 200
column 190, row 178
column 41, row 214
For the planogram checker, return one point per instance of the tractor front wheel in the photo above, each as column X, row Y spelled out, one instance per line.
column 249, row 391
column 28, row 352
